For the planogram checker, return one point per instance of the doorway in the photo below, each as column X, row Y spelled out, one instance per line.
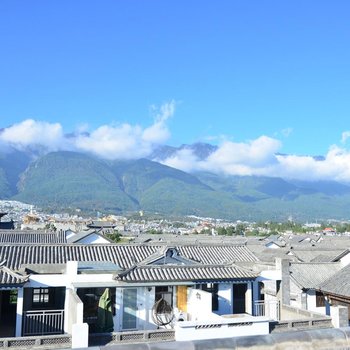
column 91, row 298
column 8, row 312
column 239, row 291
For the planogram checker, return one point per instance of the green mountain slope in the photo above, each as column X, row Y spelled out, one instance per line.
column 12, row 164
column 137, row 176
column 73, row 180
column 67, row 179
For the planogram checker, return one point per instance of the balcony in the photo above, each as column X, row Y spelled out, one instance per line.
column 43, row 322
column 270, row 309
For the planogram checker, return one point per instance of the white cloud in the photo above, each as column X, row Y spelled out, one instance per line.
column 158, row 133
column 253, row 153
column 34, row 133
column 287, row 132
column 123, row 141
column 260, row 157
column 184, row 160
column 335, row 166
column 344, row 136
column 115, row 142
column 255, row 157
column 126, row 141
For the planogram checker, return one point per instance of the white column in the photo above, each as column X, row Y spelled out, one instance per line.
column 19, row 312
column 67, row 301
column 256, row 294
column 118, row 309
column 248, row 299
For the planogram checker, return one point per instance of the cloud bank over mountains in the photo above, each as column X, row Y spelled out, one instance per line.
column 125, row 141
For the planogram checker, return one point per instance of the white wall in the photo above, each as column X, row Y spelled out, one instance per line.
column 225, row 299
column 272, row 245
column 311, row 302
column 345, row 260
column 198, row 304
column 93, row 239
column 221, row 328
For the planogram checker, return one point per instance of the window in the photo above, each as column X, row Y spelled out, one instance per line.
column 13, row 297
column 40, row 296
column 320, row 299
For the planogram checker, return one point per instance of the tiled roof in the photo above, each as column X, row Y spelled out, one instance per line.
column 312, row 275
column 268, row 254
column 31, row 237
column 194, row 273
column 10, row 278
column 310, row 254
column 217, row 254
column 124, row 256
column 101, row 224
column 339, row 283
column 167, row 255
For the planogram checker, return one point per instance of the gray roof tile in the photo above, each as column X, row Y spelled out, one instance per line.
column 124, row 256
column 312, row 275
column 10, row 278
column 339, row 283
column 193, row 273
column 32, row 237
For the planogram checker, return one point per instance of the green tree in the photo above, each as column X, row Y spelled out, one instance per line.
column 115, row 236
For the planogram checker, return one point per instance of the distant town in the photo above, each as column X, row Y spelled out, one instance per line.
column 28, row 217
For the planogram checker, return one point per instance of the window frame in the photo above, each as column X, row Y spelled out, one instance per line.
column 320, row 299
column 40, row 297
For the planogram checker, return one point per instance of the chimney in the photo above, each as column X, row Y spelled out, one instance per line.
column 283, row 286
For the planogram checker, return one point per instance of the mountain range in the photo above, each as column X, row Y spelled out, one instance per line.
column 63, row 179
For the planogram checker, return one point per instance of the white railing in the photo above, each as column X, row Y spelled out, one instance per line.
column 43, row 322
column 269, row 309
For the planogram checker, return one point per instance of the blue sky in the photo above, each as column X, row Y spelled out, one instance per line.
column 231, row 70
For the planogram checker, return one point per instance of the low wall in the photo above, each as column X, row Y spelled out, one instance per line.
column 221, row 328
column 294, row 319
column 327, row 339
column 37, row 342
column 101, row 339
column 291, row 313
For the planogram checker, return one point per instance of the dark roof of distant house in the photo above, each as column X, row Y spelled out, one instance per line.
column 7, row 225
column 101, row 224
column 31, row 237
column 199, row 239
